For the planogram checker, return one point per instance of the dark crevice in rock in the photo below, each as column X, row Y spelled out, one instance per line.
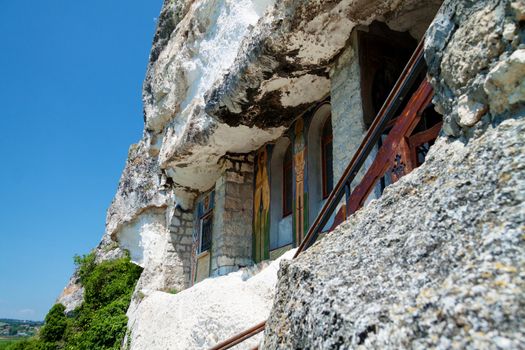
column 361, row 337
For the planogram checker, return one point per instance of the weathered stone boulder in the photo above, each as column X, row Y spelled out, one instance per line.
column 72, row 295
column 438, row 261
column 474, row 55
column 140, row 187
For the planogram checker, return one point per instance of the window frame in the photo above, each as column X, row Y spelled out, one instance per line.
column 287, row 165
column 206, row 216
column 325, row 141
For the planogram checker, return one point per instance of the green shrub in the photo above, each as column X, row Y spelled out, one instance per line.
column 32, row 344
column 109, row 281
column 85, row 264
column 100, row 322
column 55, row 324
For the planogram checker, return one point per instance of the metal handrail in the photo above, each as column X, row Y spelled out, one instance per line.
column 239, row 338
column 408, row 77
column 405, row 82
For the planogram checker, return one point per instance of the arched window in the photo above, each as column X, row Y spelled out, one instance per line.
column 281, row 200
column 319, row 156
column 287, row 182
column 327, row 158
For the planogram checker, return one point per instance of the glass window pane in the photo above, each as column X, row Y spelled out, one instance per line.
column 206, row 231
column 287, row 182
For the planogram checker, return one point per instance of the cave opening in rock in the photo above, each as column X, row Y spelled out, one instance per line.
column 383, row 53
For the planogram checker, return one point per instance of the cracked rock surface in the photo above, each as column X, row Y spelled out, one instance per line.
column 437, row 262
column 232, row 74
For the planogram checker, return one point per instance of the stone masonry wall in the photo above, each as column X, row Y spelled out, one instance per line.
column 181, row 231
column 348, row 123
column 347, row 111
column 232, row 217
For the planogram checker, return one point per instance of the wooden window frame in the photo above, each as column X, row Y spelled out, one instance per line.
column 287, row 166
column 207, row 215
column 325, row 141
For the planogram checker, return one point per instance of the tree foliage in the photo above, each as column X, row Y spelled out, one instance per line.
column 55, row 324
column 100, row 322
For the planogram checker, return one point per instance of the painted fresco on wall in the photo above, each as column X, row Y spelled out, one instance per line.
column 261, row 208
column 199, row 264
column 300, row 222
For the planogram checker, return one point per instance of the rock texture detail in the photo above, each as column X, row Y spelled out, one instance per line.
column 288, row 56
column 438, row 261
column 474, row 51
column 72, row 295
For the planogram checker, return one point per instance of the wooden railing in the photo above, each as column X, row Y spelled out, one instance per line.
column 409, row 76
column 401, row 129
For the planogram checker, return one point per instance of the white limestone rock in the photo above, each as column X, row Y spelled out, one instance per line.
column 472, row 46
column 139, row 188
column 72, row 295
column 469, row 111
column 296, row 39
column 200, row 49
column 207, row 313
column 148, row 241
column 217, row 84
column 505, row 84
column 468, row 50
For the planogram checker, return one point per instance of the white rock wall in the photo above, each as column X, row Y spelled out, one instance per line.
column 149, row 242
column 210, row 312
column 201, row 49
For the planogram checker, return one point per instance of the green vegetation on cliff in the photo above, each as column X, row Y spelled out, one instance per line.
column 100, row 322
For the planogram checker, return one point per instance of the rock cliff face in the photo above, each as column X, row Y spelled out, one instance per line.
column 225, row 76
column 438, row 261
column 232, row 74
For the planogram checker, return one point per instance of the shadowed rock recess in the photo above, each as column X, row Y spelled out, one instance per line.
column 438, row 261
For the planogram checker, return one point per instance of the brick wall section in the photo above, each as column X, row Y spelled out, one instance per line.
column 232, row 219
column 181, row 231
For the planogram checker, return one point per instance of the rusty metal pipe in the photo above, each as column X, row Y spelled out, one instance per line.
column 239, row 338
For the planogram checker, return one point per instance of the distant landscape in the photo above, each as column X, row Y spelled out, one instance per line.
column 14, row 330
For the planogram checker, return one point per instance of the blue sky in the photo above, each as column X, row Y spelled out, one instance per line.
column 71, row 75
